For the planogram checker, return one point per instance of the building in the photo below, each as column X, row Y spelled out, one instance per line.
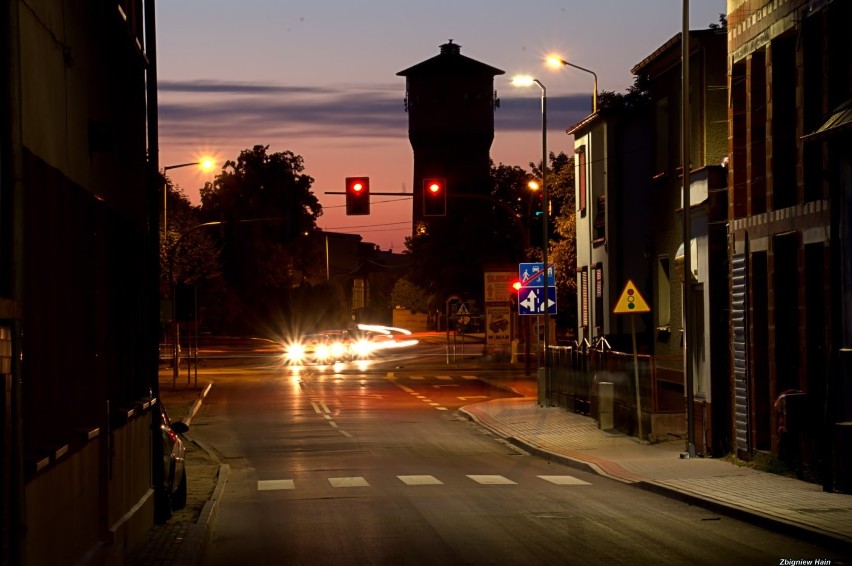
column 629, row 228
column 450, row 100
column 790, row 185
column 707, row 184
column 78, row 281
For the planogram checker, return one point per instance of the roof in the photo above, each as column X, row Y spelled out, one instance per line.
column 450, row 62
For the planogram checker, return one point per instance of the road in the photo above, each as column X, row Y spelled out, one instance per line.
column 341, row 465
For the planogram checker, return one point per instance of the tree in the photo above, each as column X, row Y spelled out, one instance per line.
column 407, row 295
column 187, row 255
column 268, row 215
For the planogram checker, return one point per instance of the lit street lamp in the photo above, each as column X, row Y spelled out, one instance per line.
column 524, row 81
column 555, row 61
column 206, row 164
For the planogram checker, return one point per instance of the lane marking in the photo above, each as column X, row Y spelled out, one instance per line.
column 273, row 485
column 417, row 378
column 564, row 480
column 316, row 407
column 470, row 377
column 356, row 481
column 491, row 480
column 420, row 480
column 444, row 377
column 324, row 406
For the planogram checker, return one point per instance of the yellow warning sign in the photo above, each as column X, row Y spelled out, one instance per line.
column 631, row 301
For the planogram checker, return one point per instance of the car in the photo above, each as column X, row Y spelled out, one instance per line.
column 172, row 492
column 322, row 348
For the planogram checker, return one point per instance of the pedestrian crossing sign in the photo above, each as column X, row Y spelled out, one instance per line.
column 631, row 301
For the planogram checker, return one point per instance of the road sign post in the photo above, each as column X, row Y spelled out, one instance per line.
column 631, row 302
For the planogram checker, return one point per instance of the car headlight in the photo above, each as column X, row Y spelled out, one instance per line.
column 322, row 352
column 295, row 352
column 362, row 348
column 338, row 349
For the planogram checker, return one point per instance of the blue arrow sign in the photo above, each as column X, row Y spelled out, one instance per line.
column 531, row 300
column 532, row 275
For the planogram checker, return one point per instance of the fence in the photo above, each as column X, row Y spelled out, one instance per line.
column 575, row 375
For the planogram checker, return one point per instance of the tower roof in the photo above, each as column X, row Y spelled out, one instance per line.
column 450, row 62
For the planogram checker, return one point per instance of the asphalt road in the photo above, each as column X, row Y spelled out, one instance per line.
column 344, row 466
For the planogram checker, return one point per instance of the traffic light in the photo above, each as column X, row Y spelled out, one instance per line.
column 357, row 196
column 434, row 197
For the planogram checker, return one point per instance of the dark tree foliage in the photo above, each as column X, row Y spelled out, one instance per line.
column 267, row 233
column 188, row 255
column 636, row 98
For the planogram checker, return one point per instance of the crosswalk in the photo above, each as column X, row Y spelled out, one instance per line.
column 416, row 480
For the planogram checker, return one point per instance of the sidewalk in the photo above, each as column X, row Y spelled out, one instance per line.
column 772, row 501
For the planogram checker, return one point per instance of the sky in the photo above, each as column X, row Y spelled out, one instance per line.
column 318, row 78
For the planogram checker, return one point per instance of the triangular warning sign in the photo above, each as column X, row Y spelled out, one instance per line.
column 631, row 301
column 463, row 310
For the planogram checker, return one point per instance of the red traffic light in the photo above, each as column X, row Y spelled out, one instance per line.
column 434, row 197
column 357, row 195
column 516, row 285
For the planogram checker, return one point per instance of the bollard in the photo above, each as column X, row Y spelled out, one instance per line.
column 606, row 395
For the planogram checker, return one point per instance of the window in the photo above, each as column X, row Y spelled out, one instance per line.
column 584, row 297
column 581, row 179
column 600, row 219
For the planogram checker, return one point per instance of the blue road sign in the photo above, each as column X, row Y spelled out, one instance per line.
column 531, row 300
column 531, row 275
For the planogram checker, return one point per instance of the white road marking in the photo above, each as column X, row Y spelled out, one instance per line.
column 355, row 481
column 272, row 485
column 417, row 378
column 420, row 480
column 441, row 408
column 316, row 407
column 491, row 480
column 324, row 406
column 469, row 377
column 564, row 480
column 444, row 377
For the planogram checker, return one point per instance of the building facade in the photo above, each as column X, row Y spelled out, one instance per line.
column 790, row 86
column 78, row 282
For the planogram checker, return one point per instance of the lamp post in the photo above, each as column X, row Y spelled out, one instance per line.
column 205, row 164
column 555, row 61
column 529, row 81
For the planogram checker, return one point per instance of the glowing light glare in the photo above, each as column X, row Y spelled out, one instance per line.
column 533, row 185
column 357, row 187
column 295, row 353
column 207, row 164
column 434, row 187
column 383, row 329
column 522, row 80
column 554, row 61
column 517, row 285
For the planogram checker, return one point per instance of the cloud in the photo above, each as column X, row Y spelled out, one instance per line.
column 218, row 110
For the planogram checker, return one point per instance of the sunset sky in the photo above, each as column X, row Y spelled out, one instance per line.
column 319, row 79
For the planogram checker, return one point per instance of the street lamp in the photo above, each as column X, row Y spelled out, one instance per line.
column 555, row 61
column 206, row 164
column 525, row 81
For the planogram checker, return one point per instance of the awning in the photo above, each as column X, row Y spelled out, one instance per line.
column 838, row 122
